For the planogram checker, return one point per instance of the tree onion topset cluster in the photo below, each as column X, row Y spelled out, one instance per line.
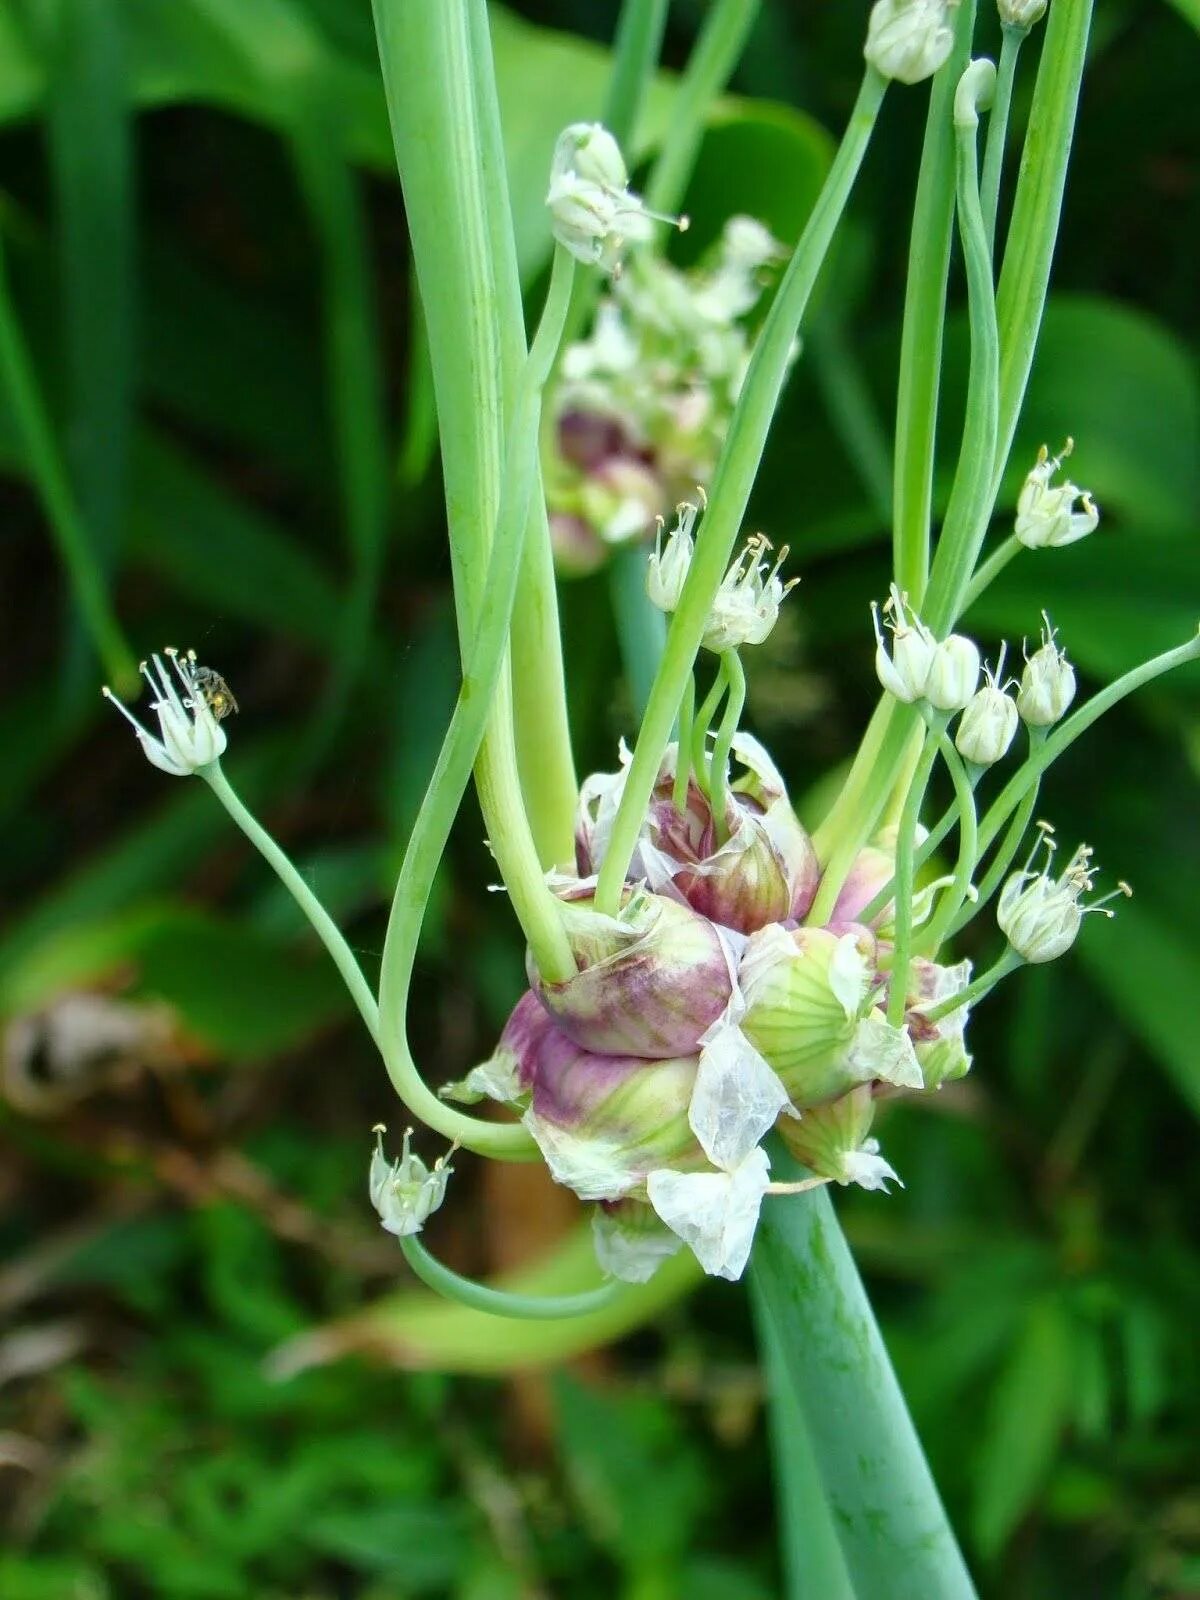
column 701, row 969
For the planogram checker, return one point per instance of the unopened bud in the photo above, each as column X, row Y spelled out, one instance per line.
column 1021, row 13
column 651, row 981
column 592, row 209
column 953, row 673
column 988, row 723
column 1047, row 684
column 832, row 1142
column 1041, row 916
column 905, row 672
column 909, row 39
column 1046, row 514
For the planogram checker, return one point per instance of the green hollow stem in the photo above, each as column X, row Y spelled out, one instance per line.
column 735, row 704
column 990, row 570
column 80, row 561
column 894, row 1536
column 972, row 496
column 983, row 985
column 1037, row 208
column 323, row 924
column 709, row 68
column 1036, row 762
column 1001, row 861
column 924, row 321
column 813, row 1565
column 997, row 135
column 701, row 725
column 444, row 794
column 905, row 846
column 683, row 766
column 951, row 900
column 729, row 492
column 503, row 1302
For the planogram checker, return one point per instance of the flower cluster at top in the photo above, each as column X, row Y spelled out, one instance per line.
column 642, row 406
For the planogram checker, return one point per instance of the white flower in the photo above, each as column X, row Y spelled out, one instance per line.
column 989, row 721
column 736, row 1098
column 953, row 673
column 190, row 734
column 1046, row 514
column 906, row 671
column 1047, row 684
column 406, row 1192
column 736, row 285
column 746, row 606
column 1041, row 916
column 1021, row 13
column 593, row 212
column 909, row 39
column 714, row 1213
column 667, row 570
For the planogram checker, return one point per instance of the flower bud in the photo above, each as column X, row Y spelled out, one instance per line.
column 1046, row 515
column 746, row 606
column 630, row 1240
column 1047, row 684
column 940, row 1046
column 405, row 1192
column 1021, row 13
column 652, row 980
column 953, row 673
column 905, row 672
column 909, row 39
column 666, row 571
column 190, row 735
column 832, row 1142
column 766, row 871
column 808, row 1014
column 592, row 210
column 988, row 723
column 1041, row 916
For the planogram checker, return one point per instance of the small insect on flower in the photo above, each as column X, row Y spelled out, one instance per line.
column 189, row 702
column 1041, row 916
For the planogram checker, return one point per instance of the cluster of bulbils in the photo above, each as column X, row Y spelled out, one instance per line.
column 908, row 40
column 640, row 408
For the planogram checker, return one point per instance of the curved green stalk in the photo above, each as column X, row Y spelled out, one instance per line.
column 953, row 896
column 972, row 497
column 1001, row 861
column 735, row 678
column 991, row 569
column 731, row 485
column 1037, row 208
column 924, row 321
column 708, row 70
column 683, row 764
column 923, row 852
column 48, row 471
column 997, row 135
column 503, row 1302
column 983, row 985
column 293, row 881
column 905, row 845
column 702, row 722
column 894, row 1536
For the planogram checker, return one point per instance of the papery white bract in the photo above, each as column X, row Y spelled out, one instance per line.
column 190, row 737
column 631, row 1241
column 406, row 1192
column 714, row 1213
column 737, row 1097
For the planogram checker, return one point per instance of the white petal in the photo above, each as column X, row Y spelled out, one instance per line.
column 632, row 1254
column 736, row 1097
column 878, row 1050
column 714, row 1213
column 849, row 975
column 593, row 1168
column 159, row 756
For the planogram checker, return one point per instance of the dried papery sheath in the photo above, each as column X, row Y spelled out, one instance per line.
column 989, row 721
column 940, row 1046
column 1046, row 514
column 405, row 1192
column 714, row 1213
column 631, row 1240
column 832, row 1142
column 905, row 672
column 190, row 735
column 765, row 871
column 651, row 980
column 746, row 606
column 1047, row 683
column 1040, row 915
column 909, row 39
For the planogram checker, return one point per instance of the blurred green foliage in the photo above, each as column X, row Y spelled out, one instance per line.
column 204, row 243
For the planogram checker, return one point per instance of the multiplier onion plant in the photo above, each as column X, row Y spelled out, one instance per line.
column 717, row 999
